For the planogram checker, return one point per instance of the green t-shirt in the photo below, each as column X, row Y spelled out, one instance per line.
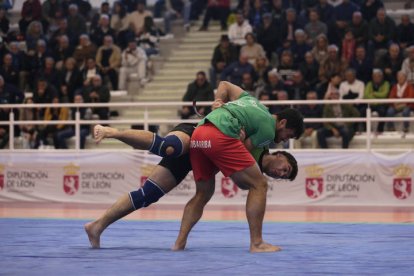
column 248, row 113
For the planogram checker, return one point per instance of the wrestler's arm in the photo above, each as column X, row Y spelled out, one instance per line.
column 226, row 92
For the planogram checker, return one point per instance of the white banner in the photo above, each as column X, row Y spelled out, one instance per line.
column 346, row 178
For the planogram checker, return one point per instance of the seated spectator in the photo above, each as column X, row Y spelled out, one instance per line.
column 101, row 30
column 62, row 31
column 52, row 114
column 311, row 129
column 223, row 55
column 252, row 49
column 76, row 22
column 49, row 72
column 86, row 49
column 134, row 60
column 176, row 9
column 120, row 24
column 28, row 132
column 69, row 79
column 405, row 32
column 238, row 31
column 281, row 95
column 9, row 93
column 378, row 88
column 51, row 11
column 401, row 90
column 408, row 65
column 4, row 22
column 315, row 27
column 136, row 18
column 249, row 85
column 325, row 11
column 234, row 72
column 63, row 51
column 298, row 88
column 33, row 34
column 338, row 129
column 256, row 12
column 8, row 71
column 351, row 87
column 360, row 28
column 44, row 92
column 18, row 61
column 343, row 15
column 369, row 8
column 277, row 11
column 268, row 35
column 332, row 85
column 150, row 37
column 31, row 11
column 287, row 67
column 299, row 46
column 381, row 31
column 275, row 83
column 289, row 25
column 69, row 131
column 262, row 68
column 391, row 63
column 216, row 9
column 96, row 92
column 309, row 68
column 104, row 10
column 34, row 61
column 332, row 65
column 198, row 90
column 89, row 72
column 320, row 50
column 362, row 64
column 348, row 47
column 108, row 60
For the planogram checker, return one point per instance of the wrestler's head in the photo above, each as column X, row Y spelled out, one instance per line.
column 289, row 124
column 280, row 165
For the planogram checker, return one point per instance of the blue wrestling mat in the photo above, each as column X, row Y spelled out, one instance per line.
column 61, row 247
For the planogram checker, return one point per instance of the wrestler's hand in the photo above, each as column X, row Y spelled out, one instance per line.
column 242, row 135
column 100, row 132
column 217, row 103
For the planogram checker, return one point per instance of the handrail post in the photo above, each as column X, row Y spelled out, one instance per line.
column 146, row 125
column 368, row 126
column 11, row 130
column 77, row 129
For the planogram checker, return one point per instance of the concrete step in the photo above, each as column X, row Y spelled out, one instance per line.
column 171, row 78
column 192, row 52
column 190, row 58
column 187, row 65
column 190, row 72
column 168, row 86
column 161, row 98
column 201, row 40
column 189, row 47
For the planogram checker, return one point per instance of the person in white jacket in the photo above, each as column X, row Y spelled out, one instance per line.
column 351, row 87
column 134, row 60
column 238, row 30
column 408, row 65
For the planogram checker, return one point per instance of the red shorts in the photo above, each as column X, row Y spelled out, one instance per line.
column 211, row 151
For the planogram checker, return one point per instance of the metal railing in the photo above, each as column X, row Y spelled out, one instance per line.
column 147, row 121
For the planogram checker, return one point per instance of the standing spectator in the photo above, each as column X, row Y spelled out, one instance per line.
column 310, row 70
column 299, row 46
column 401, row 90
column 76, row 22
column 217, row 9
column 268, row 35
column 96, row 92
column 405, row 32
column 315, row 27
column 359, row 28
column 408, row 65
column 120, row 24
column 8, row 71
column 134, row 60
column 101, row 30
column 235, row 70
column 343, row 15
column 223, row 55
column 362, row 64
column 338, row 129
column 198, row 90
column 320, row 50
column 4, row 23
column 69, row 79
column 351, row 87
column 378, row 88
column 238, row 30
column 332, row 65
column 391, row 63
column 136, row 18
column 369, row 8
column 252, row 49
column 86, row 49
column 381, row 31
column 108, row 60
column 177, row 9
column 69, row 131
column 63, row 51
column 31, row 11
column 311, row 129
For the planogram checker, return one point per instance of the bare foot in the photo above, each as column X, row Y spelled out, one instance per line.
column 100, row 132
column 178, row 246
column 264, row 247
column 93, row 234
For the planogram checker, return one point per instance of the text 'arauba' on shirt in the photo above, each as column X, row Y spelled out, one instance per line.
column 248, row 113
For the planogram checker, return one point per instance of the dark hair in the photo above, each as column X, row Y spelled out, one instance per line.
column 292, row 162
column 201, row 73
column 294, row 120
